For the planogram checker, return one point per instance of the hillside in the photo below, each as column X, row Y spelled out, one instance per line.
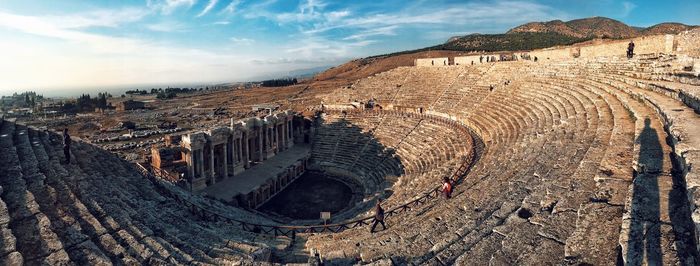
column 510, row 42
column 598, row 27
column 360, row 68
column 556, row 26
column 536, row 35
column 667, row 28
column 530, row 36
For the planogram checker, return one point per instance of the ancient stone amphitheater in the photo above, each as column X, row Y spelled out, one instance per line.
column 590, row 160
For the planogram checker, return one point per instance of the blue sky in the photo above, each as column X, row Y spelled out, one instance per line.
column 74, row 44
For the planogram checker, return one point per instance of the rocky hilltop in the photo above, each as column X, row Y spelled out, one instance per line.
column 598, row 27
column 537, row 35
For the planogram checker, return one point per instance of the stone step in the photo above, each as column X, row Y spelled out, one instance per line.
column 78, row 245
column 35, row 240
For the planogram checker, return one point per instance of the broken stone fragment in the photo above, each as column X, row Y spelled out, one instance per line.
column 548, row 204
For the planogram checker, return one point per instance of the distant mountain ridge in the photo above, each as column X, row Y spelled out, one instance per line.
column 537, row 35
column 598, row 27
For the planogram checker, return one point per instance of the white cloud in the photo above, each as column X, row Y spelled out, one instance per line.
column 168, row 6
column 69, row 57
column 99, row 18
column 336, row 15
column 259, row 9
column 627, row 8
column 321, row 34
column 317, row 46
column 207, row 8
column 167, row 26
column 242, row 41
column 313, row 20
column 231, row 7
column 97, row 43
column 334, row 34
column 311, row 6
column 310, row 10
column 469, row 14
column 382, row 31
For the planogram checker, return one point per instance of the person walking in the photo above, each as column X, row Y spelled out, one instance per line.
column 378, row 216
column 630, row 50
column 66, row 145
column 447, row 187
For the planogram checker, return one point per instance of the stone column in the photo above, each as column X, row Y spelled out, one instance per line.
column 277, row 143
column 236, row 150
column 240, row 150
column 226, row 158
column 283, row 136
column 271, row 140
column 190, row 168
column 280, row 137
column 290, row 129
column 261, row 134
column 231, row 148
column 212, row 173
column 285, row 132
column 246, row 150
column 200, row 162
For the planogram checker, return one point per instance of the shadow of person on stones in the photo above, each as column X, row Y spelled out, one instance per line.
column 680, row 215
column 645, row 231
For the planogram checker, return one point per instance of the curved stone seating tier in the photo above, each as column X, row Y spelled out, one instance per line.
column 381, row 86
column 587, row 161
column 99, row 210
column 563, row 176
column 383, row 147
column 507, row 122
column 682, row 125
column 412, row 92
column 462, row 93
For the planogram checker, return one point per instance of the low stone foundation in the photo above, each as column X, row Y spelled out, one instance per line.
column 312, row 193
column 272, row 187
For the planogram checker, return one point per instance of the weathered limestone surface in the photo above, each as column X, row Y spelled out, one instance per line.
column 586, row 179
column 99, row 210
column 584, row 161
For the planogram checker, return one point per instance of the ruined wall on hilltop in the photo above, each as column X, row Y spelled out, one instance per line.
column 467, row 60
column 642, row 45
column 437, row 61
column 688, row 42
column 551, row 54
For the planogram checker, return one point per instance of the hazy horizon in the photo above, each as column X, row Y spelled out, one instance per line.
column 116, row 90
column 87, row 45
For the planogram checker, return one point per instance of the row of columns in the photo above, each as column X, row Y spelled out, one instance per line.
column 240, row 146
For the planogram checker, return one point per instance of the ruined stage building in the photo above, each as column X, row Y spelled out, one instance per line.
column 224, row 156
